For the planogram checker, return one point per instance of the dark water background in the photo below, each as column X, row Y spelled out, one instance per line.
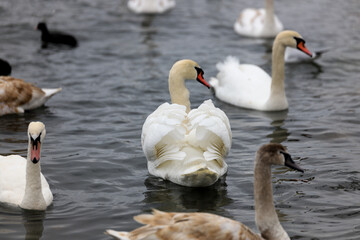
column 92, row 154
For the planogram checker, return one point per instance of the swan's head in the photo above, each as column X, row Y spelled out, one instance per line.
column 189, row 69
column 36, row 132
column 293, row 39
column 276, row 154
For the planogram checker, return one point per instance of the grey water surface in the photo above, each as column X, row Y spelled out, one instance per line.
column 92, row 156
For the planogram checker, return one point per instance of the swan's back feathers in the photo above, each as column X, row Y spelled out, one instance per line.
column 224, row 68
column 213, row 131
column 238, row 83
column 252, row 23
column 177, row 144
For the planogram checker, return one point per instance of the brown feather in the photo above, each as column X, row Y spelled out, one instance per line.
column 190, row 226
column 16, row 92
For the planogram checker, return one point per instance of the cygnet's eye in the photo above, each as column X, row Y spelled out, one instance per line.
column 289, row 162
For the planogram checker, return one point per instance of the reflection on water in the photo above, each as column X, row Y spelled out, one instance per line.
column 14, row 216
column 33, row 223
column 172, row 197
column 280, row 134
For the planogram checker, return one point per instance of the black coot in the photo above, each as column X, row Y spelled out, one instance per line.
column 55, row 37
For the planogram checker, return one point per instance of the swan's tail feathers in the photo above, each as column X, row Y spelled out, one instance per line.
column 229, row 62
column 49, row 92
column 202, row 177
column 227, row 70
column 118, row 235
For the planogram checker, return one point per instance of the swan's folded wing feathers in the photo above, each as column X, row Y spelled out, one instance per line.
column 163, row 132
column 209, row 118
column 213, row 132
column 190, row 226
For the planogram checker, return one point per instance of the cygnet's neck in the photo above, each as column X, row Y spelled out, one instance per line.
column 178, row 91
column 33, row 197
column 265, row 215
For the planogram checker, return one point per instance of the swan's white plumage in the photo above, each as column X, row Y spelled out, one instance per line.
column 254, row 23
column 178, row 144
column 249, row 86
column 21, row 181
column 13, row 181
column 242, row 85
column 150, row 6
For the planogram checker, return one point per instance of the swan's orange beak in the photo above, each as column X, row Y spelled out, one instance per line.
column 301, row 46
column 201, row 79
column 35, row 150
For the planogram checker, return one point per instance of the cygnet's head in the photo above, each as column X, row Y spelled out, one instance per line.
column 293, row 39
column 189, row 69
column 276, row 154
column 36, row 133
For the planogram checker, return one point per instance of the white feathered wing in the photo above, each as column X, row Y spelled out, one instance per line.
column 187, row 149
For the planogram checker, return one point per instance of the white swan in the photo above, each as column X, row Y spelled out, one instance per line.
column 21, row 180
column 249, row 86
column 150, row 6
column 16, row 95
column 162, row 225
column 183, row 146
column 259, row 22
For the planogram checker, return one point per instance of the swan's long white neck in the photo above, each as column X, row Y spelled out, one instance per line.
column 277, row 92
column 33, row 197
column 178, row 91
column 265, row 215
column 269, row 14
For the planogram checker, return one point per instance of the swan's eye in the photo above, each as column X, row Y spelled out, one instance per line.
column 299, row 40
column 200, row 77
column 200, row 72
column 300, row 44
